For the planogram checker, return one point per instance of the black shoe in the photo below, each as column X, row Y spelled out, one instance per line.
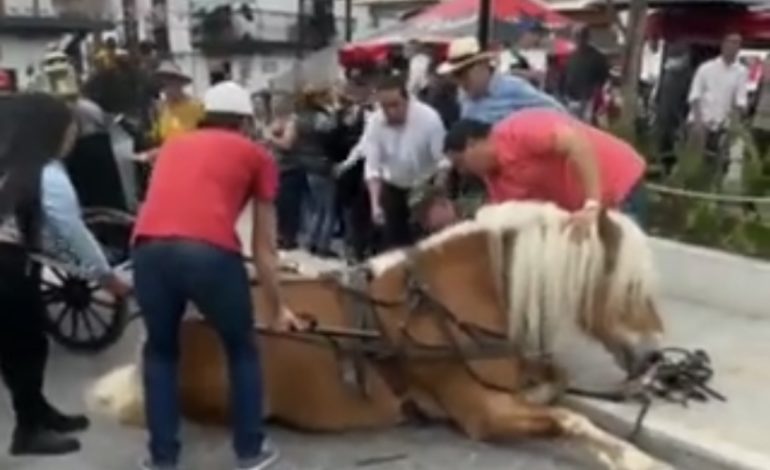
column 59, row 422
column 42, row 442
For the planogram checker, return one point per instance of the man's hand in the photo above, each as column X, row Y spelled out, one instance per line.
column 286, row 320
column 116, row 286
column 582, row 222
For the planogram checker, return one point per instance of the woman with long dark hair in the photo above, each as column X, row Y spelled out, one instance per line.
column 39, row 211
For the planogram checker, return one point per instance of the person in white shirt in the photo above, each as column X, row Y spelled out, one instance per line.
column 719, row 93
column 403, row 145
column 419, row 68
column 719, row 88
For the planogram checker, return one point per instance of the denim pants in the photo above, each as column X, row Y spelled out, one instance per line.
column 322, row 218
column 168, row 274
column 291, row 193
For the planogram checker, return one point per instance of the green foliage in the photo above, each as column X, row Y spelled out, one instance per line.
column 737, row 227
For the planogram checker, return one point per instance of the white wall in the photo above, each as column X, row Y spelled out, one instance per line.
column 18, row 53
column 254, row 71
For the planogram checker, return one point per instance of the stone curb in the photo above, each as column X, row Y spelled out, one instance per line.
column 683, row 448
column 717, row 279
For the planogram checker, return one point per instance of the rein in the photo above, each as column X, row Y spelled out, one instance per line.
column 675, row 375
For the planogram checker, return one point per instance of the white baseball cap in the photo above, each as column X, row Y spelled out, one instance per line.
column 228, row 98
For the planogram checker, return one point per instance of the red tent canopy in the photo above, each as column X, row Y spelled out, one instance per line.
column 502, row 10
column 710, row 25
column 451, row 19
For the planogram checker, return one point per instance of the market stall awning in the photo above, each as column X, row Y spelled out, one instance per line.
column 455, row 18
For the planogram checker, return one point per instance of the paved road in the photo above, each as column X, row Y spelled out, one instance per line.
column 110, row 447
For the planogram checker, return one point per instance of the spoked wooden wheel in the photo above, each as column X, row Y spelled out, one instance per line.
column 81, row 317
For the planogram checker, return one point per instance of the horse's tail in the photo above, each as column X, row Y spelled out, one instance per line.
column 119, row 394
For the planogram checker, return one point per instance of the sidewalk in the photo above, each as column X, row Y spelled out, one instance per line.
column 715, row 435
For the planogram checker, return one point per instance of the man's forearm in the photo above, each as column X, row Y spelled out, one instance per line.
column 375, row 189
column 580, row 153
column 265, row 251
column 589, row 175
column 266, row 263
column 583, row 157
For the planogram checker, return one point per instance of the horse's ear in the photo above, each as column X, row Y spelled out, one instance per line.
column 610, row 235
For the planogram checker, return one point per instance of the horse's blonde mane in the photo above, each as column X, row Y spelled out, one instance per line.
column 551, row 280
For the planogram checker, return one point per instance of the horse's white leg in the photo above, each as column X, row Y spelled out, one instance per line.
column 612, row 451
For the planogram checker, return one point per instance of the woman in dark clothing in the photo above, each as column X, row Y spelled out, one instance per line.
column 281, row 136
column 38, row 211
column 352, row 195
column 313, row 125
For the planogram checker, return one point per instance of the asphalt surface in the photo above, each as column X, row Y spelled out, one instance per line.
column 108, row 446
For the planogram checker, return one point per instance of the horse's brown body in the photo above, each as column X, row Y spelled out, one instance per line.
column 460, row 283
column 488, row 399
column 303, row 381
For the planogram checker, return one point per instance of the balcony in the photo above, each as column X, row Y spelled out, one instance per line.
column 241, row 29
column 51, row 17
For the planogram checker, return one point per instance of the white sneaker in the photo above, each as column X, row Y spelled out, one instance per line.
column 265, row 460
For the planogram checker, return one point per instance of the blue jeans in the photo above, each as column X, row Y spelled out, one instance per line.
column 168, row 273
column 322, row 215
column 291, row 193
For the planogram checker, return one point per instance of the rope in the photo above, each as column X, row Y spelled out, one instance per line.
column 704, row 196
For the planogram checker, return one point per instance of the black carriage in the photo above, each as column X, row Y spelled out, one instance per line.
column 81, row 316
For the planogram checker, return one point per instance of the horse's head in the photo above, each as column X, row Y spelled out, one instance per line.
column 626, row 319
column 604, row 286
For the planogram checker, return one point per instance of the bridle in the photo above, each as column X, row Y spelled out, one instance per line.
column 684, row 376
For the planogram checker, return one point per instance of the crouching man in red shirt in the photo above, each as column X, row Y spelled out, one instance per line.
column 186, row 250
column 542, row 155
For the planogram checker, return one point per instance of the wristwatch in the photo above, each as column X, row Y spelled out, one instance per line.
column 591, row 204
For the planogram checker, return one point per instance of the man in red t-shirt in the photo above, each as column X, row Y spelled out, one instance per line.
column 187, row 250
column 543, row 155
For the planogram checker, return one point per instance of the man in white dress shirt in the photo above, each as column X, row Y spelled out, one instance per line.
column 719, row 93
column 403, row 145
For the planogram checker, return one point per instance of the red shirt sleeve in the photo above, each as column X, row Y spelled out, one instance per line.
column 266, row 175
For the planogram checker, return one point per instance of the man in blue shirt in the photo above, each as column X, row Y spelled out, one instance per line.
column 486, row 95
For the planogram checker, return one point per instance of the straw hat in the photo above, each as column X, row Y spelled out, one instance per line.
column 171, row 70
column 463, row 53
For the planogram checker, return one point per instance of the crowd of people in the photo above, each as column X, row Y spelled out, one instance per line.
column 376, row 163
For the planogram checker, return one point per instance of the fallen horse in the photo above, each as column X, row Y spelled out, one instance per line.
column 458, row 329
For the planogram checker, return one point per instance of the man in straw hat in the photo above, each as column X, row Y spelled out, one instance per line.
column 489, row 96
column 543, row 155
column 179, row 112
column 186, row 249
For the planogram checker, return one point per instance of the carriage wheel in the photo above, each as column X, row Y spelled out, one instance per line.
column 80, row 316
